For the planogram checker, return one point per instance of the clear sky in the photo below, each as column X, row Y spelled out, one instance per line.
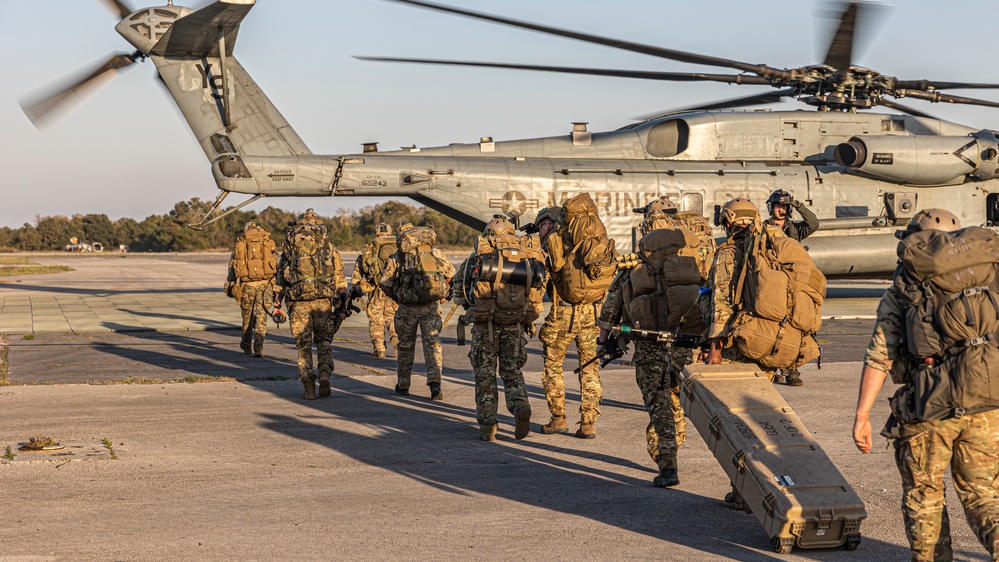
column 128, row 152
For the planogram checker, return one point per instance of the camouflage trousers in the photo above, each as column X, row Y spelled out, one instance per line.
column 313, row 322
column 659, row 382
column 381, row 317
column 563, row 325
column 426, row 317
column 256, row 302
column 506, row 348
column 970, row 447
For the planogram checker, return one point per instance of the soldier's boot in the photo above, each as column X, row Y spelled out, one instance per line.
column 734, row 500
column 435, row 391
column 258, row 350
column 324, row 385
column 379, row 353
column 586, row 430
column 668, row 477
column 378, row 349
column 793, row 378
column 558, row 424
column 779, row 377
column 310, row 389
column 400, row 390
column 246, row 347
column 523, row 425
column 488, row 432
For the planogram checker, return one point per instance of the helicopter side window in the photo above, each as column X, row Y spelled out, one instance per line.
column 668, row 138
column 693, row 202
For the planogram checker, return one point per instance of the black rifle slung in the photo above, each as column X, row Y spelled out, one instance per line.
column 617, row 343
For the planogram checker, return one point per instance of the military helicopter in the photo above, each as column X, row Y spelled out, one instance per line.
column 862, row 173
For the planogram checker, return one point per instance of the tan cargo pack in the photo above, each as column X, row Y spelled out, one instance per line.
column 785, row 478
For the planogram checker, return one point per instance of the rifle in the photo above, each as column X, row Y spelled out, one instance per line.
column 346, row 305
column 617, row 345
column 463, row 320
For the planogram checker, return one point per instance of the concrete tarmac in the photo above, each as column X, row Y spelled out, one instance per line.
column 243, row 468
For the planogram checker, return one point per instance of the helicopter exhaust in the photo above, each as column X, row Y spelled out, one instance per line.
column 921, row 160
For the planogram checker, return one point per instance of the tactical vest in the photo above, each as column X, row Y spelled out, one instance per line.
column 590, row 255
column 948, row 284
column 254, row 256
column 309, row 272
column 508, row 279
column 418, row 279
column 780, row 294
column 666, row 282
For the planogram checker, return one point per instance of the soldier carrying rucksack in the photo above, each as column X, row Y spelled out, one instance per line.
column 250, row 281
column 503, row 283
column 581, row 264
column 368, row 272
column 417, row 277
column 310, row 274
column 937, row 334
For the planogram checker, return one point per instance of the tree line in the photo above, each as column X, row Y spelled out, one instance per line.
column 169, row 232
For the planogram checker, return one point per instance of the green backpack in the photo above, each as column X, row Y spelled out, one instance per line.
column 948, row 284
column 309, row 264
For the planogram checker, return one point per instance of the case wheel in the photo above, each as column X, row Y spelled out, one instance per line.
column 852, row 542
column 782, row 545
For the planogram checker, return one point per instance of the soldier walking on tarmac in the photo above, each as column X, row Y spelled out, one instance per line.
column 665, row 278
column 504, row 282
column 781, row 205
column 935, row 333
column 250, row 281
column 380, row 309
column 417, row 277
column 310, row 274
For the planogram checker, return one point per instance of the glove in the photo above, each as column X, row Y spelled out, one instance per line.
column 795, row 203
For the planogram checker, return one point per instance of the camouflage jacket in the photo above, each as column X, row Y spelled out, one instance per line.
column 801, row 229
column 612, row 313
column 886, row 352
column 722, row 282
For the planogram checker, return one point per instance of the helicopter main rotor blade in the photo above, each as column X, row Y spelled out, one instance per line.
column 118, row 7
column 840, row 52
column 758, row 99
column 681, row 56
column 904, row 108
column 940, row 97
column 46, row 109
column 640, row 74
column 926, row 85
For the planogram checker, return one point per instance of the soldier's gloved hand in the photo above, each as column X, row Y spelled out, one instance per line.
column 795, row 203
column 530, row 329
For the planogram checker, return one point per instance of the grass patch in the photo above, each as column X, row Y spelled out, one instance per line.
column 274, row 378
column 16, row 260
column 348, row 340
column 39, row 443
column 9, row 455
column 4, row 365
column 190, row 379
column 34, row 269
column 367, row 368
column 107, row 443
column 29, row 337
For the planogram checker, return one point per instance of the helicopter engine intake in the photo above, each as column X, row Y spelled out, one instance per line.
column 921, row 160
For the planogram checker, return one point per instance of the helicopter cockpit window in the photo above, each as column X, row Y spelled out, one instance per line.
column 668, row 138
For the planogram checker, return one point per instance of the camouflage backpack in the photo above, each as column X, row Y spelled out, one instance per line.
column 699, row 225
column 254, row 256
column 419, row 279
column 948, row 284
column 781, row 294
column 589, row 254
column 666, row 282
column 508, row 279
column 309, row 263
column 373, row 258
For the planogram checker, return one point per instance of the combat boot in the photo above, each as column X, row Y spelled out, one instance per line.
column 259, row 352
column 246, row 348
column 523, row 417
column 668, row 477
column 556, row 425
column 488, row 432
column 324, row 385
column 586, row 431
column 310, row 389
column 401, row 391
column 435, row 391
column 793, row 378
column 779, row 377
column 379, row 353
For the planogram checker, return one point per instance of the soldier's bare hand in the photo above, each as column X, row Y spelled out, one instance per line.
column 862, row 434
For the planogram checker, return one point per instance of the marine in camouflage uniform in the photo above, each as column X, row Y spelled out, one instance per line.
column 379, row 307
column 969, row 446
column 426, row 318
column 567, row 323
column 313, row 318
column 256, row 298
column 779, row 204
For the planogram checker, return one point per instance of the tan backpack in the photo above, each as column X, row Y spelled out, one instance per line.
column 781, row 294
column 666, row 282
column 590, row 255
column 699, row 225
column 255, row 256
column 508, row 276
column 419, row 279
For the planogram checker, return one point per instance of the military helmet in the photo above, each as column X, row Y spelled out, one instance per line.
column 658, row 214
column 249, row 226
column 553, row 214
column 383, row 229
column 739, row 212
column 779, row 197
column 498, row 225
column 308, row 217
column 661, row 205
column 931, row 219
